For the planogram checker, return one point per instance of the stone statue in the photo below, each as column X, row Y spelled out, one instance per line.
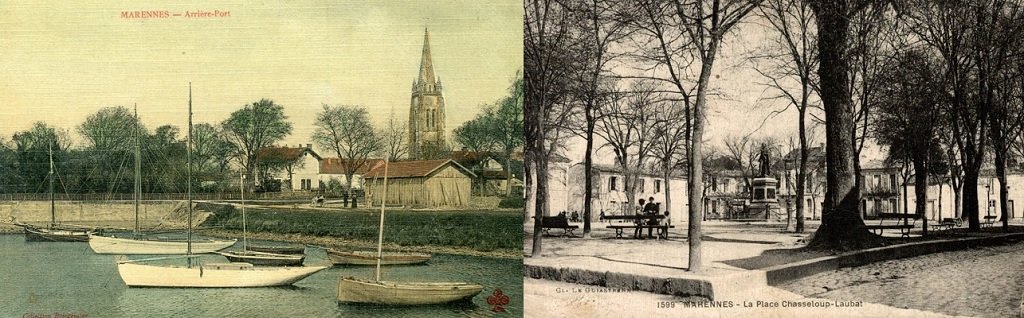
column 765, row 165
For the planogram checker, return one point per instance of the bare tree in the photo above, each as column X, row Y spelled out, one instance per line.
column 680, row 38
column 347, row 131
column 788, row 65
column 394, row 139
column 841, row 225
column 546, row 26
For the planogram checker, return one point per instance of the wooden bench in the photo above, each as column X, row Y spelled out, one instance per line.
column 947, row 223
column 902, row 223
column 558, row 222
column 641, row 222
column 989, row 220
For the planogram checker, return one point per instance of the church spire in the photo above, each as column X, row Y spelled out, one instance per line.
column 426, row 65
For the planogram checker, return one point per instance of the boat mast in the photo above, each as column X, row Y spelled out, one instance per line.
column 53, row 209
column 380, row 234
column 138, row 170
column 188, row 149
column 241, row 182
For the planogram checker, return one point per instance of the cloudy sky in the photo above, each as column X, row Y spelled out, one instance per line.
column 65, row 60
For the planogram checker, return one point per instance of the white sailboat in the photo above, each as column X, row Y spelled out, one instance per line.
column 376, row 291
column 255, row 257
column 207, row 275
column 139, row 244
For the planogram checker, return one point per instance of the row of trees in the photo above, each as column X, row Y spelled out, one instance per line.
column 103, row 163
column 937, row 82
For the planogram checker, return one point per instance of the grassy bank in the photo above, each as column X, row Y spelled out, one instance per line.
column 496, row 232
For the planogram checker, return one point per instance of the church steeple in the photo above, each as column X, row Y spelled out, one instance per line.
column 426, row 111
column 426, row 64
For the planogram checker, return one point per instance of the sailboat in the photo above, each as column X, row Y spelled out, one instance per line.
column 376, row 291
column 139, row 244
column 255, row 257
column 370, row 258
column 54, row 232
column 207, row 275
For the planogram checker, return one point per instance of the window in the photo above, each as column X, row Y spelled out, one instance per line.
column 642, row 185
column 771, row 193
column 892, row 181
column 894, row 205
column 657, row 186
column 878, row 182
column 611, row 183
column 714, row 184
column 878, row 206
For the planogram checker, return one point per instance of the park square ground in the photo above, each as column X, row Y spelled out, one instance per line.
column 980, row 281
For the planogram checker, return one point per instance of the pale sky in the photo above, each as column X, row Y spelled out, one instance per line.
column 62, row 61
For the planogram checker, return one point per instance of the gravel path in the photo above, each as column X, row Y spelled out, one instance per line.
column 982, row 282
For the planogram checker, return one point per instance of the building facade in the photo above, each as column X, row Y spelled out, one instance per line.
column 426, row 111
column 296, row 168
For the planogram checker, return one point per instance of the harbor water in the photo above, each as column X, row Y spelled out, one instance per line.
column 50, row 279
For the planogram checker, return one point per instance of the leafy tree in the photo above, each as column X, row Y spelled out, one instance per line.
column 254, row 127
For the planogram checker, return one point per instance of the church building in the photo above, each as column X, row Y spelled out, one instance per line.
column 426, row 111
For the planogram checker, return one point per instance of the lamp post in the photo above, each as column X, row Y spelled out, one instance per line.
column 988, row 198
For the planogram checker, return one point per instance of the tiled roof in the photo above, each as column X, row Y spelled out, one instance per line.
column 469, row 158
column 337, row 166
column 284, row 153
column 413, row 169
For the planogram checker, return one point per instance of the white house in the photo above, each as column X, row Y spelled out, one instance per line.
column 297, row 167
column 333, row 169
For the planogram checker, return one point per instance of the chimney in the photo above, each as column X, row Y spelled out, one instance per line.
column 310, row 146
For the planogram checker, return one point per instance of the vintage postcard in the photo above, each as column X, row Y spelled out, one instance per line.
column 261, row 159
column 775, row 158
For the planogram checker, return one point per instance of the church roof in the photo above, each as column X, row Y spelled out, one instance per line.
column 426, row 64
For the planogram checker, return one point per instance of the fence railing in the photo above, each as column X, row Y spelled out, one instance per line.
column 157, row 196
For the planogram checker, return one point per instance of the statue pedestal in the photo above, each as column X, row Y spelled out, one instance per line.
column 764, row 204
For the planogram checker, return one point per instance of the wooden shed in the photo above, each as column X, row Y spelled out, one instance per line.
column 430, row 183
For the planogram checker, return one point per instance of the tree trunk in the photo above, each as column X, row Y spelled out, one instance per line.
column 970, row 199
column 542, row 200
column 1001, row 176
column 841, row 224
column 508, row 174
column 801, row 176
column 921, row 193
column 668, row 193
column 695, row 161
column 528, row 188
column 348, row 191
column 588, row 172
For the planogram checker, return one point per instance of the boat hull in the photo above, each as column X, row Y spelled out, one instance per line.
column 231, row 275
column 351, row 290
column 261, row 258
column 370, row 258
column 34, row 234
column 279, row 249
column 116, row 245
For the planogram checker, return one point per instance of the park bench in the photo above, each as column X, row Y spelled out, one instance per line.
column 947, row 223
column 903, row 222
column 557, row 222
column 989, row 221
column 641, row 222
